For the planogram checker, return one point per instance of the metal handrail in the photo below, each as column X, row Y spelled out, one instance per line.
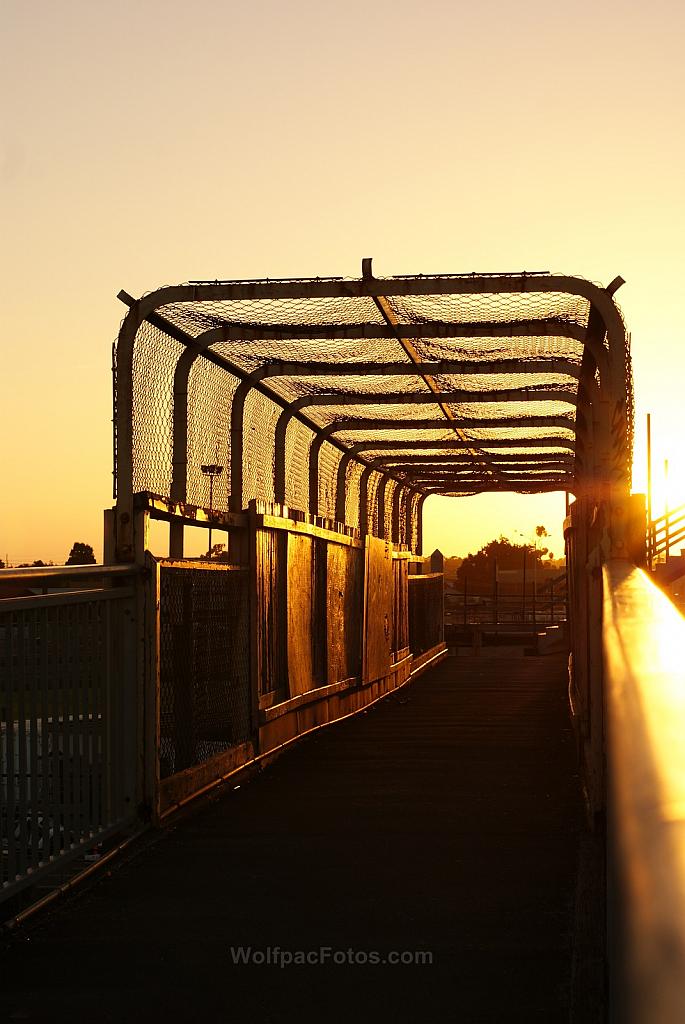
column 665, row 531
column 643, row 640
column 674, row 512
column 38, row 572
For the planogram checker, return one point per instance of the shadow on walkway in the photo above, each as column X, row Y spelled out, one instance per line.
column 444, row 821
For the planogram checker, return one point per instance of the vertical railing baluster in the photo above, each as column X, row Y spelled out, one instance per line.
column 45, row 801
column 33, row 620
column 80, row 635
column 23, row 823
column 106, row 719
column 59, row 740
column 97, row 676
column 4, row 682
column 9, row 716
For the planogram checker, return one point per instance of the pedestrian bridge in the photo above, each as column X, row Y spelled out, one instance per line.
column 512, row 827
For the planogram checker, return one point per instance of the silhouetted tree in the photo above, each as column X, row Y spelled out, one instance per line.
column 81, row 554
column 480, row 567
column 218, row 553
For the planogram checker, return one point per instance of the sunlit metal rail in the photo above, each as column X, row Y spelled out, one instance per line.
column 664, row 532
column 644, row 641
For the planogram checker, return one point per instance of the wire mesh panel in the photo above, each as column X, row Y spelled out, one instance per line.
column 353, row 474
column 154, row 362
column 297, row 445
column 67, row 729
column 329, row 460
column 426, row 628
column 205, row 705
column 258, row 448
column 210, row 393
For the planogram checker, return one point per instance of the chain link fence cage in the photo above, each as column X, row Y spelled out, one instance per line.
column 494, row 373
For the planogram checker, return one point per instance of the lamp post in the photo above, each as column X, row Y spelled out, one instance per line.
column 211, row 470
column 534, row 547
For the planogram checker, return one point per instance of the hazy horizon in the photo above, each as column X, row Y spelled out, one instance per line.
column 276, row 140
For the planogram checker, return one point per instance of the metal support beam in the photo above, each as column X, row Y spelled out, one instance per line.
column 609, row 419
column 398, row 502
column 391, row 319
column 364, row 500
column 380, row 506
column 419, row 519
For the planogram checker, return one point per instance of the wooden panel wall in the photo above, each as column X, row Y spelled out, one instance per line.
column 378, row 609
column 326, row 611
column 345, row 611
column 300, row 619
column 271, row 582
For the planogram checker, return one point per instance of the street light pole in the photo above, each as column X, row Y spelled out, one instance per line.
column 523, row 611
column 211, row 470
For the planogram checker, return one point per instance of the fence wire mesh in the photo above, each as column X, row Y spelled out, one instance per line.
column 329, row 460
column 210, row 394
column 522, row 351
column 204, row 664
column 298, row 441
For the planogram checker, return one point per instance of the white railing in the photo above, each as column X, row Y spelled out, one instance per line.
column 68, row 720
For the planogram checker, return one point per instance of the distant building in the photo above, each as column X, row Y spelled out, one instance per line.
column 437, row 560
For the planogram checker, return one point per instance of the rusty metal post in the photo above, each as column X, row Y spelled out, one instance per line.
column 364, row 500
column 340, row 488
column 419, row 523
column 279, row 456
column 314, row 450
column 179, row 463
column 410, row 495
column 380, row 506
column 396, row 505
column 237, row 432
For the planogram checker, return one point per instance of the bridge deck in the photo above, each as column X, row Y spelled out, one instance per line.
column 445, row 819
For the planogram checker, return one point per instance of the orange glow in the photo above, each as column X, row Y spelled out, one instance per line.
column 277, row 139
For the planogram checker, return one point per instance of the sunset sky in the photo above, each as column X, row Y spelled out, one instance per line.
column 150, row 143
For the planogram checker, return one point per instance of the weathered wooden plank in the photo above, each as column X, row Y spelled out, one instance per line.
column 378, row 609
column 300, row 618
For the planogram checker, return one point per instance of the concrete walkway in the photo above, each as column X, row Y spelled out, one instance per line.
column 444, row 821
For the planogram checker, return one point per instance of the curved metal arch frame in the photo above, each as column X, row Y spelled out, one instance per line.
column 610, row 414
